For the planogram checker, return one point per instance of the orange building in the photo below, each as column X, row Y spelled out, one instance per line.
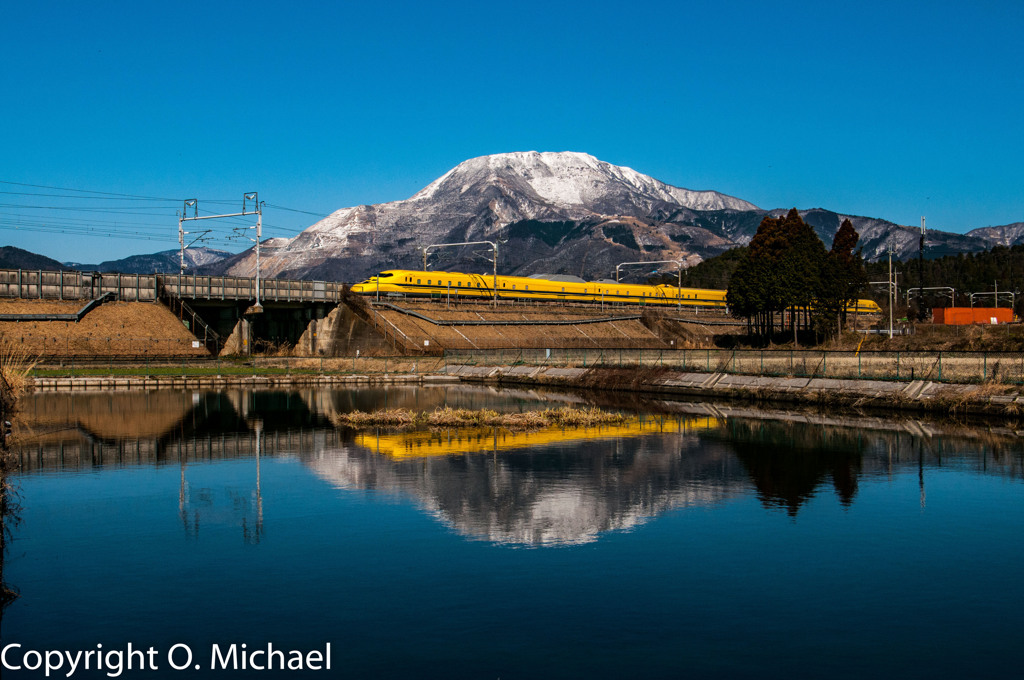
column 965, row 316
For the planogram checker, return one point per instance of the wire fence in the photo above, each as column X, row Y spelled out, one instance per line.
column 77, row 366
column 958, row 367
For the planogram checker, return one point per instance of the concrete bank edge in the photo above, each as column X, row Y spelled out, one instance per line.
column 916, row 395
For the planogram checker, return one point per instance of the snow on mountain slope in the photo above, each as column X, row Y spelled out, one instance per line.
column 475, row 201
column 1006, row 235
column 560, row 213
column 568, row 179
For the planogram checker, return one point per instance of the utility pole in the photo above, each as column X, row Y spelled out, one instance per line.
column 679, row 275
column 255, row 209
column 920, row 274
column 892, row 294
column 190, row 203
column 494, row 253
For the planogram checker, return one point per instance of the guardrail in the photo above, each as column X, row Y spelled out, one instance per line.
column 73, row 285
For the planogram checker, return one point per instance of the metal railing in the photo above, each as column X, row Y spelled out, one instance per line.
column 56, row 285
column 73, row 366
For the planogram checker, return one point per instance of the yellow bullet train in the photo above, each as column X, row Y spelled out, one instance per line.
column 414, row 283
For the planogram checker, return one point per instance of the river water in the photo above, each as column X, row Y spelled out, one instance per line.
column 693, row 540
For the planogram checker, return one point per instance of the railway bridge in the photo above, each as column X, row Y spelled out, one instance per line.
column 215, row 308
column 321, row 318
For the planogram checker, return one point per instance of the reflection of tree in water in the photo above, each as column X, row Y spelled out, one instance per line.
column 788, row 463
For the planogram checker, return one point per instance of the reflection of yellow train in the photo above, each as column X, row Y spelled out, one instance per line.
column 432, row 284
column 423, row 444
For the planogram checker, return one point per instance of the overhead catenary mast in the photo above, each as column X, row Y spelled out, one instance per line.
column 920, row 274
column 256, row 209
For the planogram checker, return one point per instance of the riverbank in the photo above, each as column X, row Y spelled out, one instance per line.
column 985, row 398
column 909, row 396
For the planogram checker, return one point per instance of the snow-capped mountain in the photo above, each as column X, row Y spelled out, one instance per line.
column 559, row 213
column 1006, row 235
column 573, row 181
column 523, row 196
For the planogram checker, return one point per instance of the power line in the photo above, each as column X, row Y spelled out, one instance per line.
column 74, row 232
column 88, row 191
column 89, row 198
column 67, row 214
column 82, row 208
column 296, row 210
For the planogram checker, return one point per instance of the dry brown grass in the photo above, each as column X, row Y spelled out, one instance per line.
column 21, row 306
column 396, row 417
column 16, row 362
column 448, row 417
column 112, row 329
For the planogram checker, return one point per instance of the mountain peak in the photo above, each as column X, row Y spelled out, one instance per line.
column 572, row 179
column 493, row 197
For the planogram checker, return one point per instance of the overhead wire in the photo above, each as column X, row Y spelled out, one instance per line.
column 88, row 191
column 64, row 217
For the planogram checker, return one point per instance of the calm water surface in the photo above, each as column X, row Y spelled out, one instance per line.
column 691, row 541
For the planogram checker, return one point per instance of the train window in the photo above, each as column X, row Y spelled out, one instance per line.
column 449, row 283
column 513, row 286
column 418, row 281
column 428, row 281
column 527, row 287
column 563, row 289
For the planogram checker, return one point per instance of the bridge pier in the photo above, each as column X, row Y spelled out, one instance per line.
column 341, row 332
column 278, row 326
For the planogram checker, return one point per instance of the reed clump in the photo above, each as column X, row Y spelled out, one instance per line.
column 448, row 417
column 15, row 365
column 395, row 417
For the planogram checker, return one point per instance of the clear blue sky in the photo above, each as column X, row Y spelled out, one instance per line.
column 884, row 109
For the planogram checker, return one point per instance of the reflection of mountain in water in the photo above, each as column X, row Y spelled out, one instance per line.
column 549, row 487
column 554, row 492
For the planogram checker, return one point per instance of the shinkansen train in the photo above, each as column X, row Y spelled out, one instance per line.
column 414, row 283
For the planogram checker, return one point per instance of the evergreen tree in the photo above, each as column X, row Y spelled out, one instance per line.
column 782, row 272
column 841, row 282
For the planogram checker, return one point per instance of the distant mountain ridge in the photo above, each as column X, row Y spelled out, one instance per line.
column 164, row 262
column 559, row 213
column 12, row 257
column 548, row 213
column 1006, row 235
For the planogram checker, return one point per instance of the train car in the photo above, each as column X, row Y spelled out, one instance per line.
column 414, row 283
